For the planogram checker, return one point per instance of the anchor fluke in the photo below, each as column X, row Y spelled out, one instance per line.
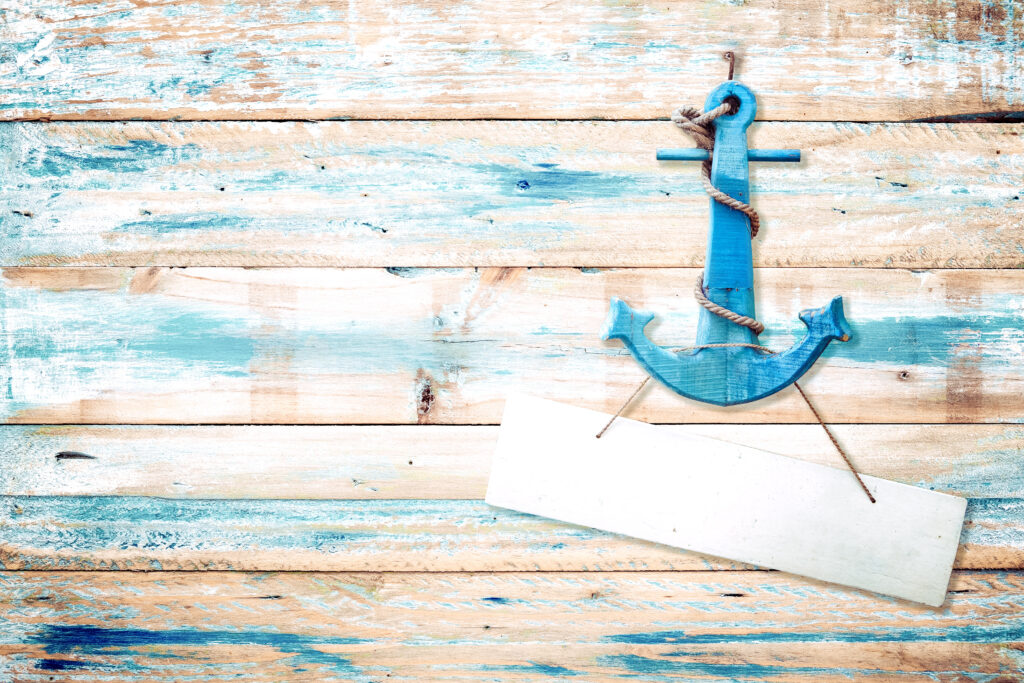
column 623, row 322
column 831, row 318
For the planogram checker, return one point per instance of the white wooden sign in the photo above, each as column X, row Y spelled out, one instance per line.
column 660, row 484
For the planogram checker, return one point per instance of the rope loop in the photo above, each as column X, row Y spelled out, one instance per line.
column 701, row 128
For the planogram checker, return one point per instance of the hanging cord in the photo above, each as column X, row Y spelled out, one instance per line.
column 701, row 128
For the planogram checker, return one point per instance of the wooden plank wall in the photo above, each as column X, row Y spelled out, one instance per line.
column 270, row 268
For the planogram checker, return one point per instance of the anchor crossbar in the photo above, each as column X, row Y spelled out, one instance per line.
column 697, row 154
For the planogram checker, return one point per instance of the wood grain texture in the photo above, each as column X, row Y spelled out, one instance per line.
column 130, row 533
column 525, row 627
column 498, row 194
column 404, row 346
column 440, row 462
column 846, row 60
column 155, row 345
column 404, row 497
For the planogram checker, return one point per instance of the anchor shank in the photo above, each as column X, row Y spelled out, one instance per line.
column 728, row 265
column 729, row 262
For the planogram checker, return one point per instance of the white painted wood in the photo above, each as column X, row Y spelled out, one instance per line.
column 724, row 499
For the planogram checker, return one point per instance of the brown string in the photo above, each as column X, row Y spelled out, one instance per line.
column 835, row 443
column 700, row 128
column 623, row 406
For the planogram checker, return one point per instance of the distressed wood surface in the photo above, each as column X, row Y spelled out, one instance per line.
column 440, row 462
column 404, row 497
column 486, row 193
column 226, row 345
column 129, row 533
column 403, row 347
column 525, row 627
column 808, row 60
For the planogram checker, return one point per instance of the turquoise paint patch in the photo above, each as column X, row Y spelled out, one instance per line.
column 555, row 183
column 997, row 522
column 166, row 224
column 988, row 471
column 62, row 345
column 137, row 156
column 922, row 340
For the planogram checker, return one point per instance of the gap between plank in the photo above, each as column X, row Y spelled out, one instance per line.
column 973, row 570
column 980, row 118
column 918, row 271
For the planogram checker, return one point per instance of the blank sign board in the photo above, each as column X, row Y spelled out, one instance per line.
column 660, row 484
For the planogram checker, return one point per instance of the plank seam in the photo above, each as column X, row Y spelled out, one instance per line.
column 1012, row 116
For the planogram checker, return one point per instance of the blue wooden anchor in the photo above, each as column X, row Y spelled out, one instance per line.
column 734, row 374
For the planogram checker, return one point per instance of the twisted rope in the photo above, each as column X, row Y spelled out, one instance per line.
column 722, row 311
column 701, row 128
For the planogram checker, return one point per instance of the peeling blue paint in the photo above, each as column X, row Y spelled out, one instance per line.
column 651, row 666
column 965, row 632
column 67, row 665
column 171, row 342
column 533, row 668
column 139, row 527
column 64, row 175
column 81, row 641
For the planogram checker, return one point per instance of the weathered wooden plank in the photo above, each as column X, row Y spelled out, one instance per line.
column 120, row 532
column 497, row 194
column 845, row 60
column 342, row 346
column 725, row 626
column 440, row 462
